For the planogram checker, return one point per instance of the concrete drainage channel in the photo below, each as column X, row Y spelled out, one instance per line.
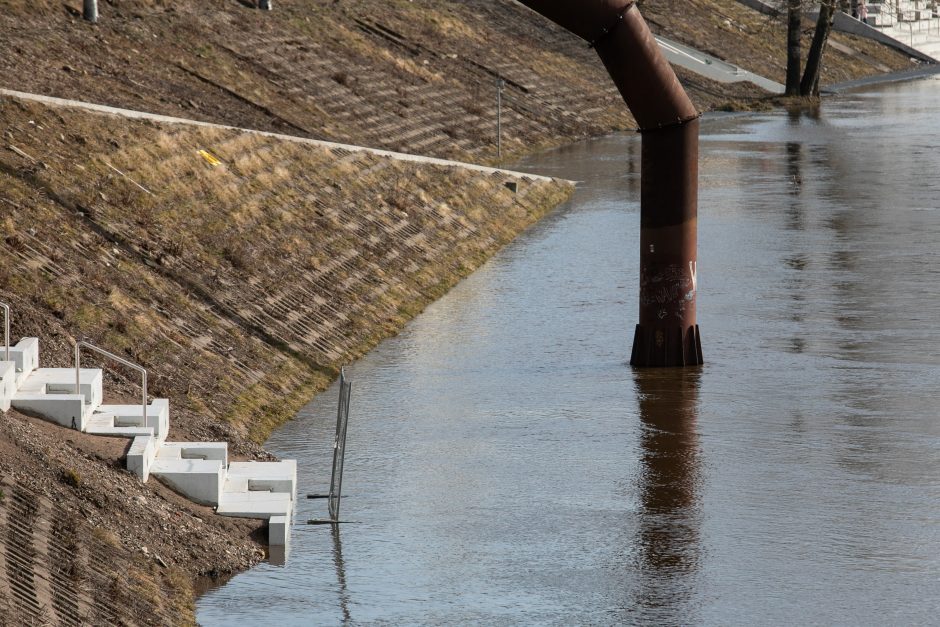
column 72, row 397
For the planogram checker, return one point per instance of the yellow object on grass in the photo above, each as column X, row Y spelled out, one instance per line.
column 210, row 158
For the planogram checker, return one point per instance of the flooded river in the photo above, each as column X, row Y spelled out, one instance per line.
column 507, row 466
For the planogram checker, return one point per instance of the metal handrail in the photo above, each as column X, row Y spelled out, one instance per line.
column 6, row 330
column 78, row 372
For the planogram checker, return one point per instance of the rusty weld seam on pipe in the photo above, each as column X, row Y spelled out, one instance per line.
column 665, row 125
column 605, row 32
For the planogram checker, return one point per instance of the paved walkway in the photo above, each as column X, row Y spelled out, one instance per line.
column 893, row 77
column 713, row 67
column 166, row 119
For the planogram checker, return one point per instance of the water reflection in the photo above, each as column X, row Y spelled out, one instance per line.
column 669, row 550
column 340, row 574
column 795, row 179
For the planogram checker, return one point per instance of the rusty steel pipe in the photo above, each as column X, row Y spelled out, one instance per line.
column 667, row 333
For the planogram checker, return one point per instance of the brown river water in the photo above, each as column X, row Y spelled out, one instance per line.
column 506, row 465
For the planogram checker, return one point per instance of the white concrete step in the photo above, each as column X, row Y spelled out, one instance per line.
column 275, row 507
column 198, row 470
column 62, row 381
column 279, row 530
column 195, row 450
column 26, row 357
column 141, row 455
column 255, row 504
column 197, row 479
column 235, row 484
column 158, row 416
column 7, row 384
column 104, row 423
column 279, row 477
column 68, row 410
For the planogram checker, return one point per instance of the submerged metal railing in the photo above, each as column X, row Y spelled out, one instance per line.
column 339, row 446
column 78, row 370
column 6, row 331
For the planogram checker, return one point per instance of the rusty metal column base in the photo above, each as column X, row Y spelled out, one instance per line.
column 666, row 347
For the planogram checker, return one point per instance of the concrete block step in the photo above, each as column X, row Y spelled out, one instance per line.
column 197, row 479
column 278, row 530
column 276, row 508
column 235, row 484
column 194, row 450
column 158, row 416
column 7, row 384
column 68, row 410
column 255, row 504
column 103, row 423
column 26, row 357
column 62, row 381
column 141, row 455
column 280, row 477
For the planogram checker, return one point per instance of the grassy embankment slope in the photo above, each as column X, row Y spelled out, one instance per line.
column 415, row 76
column 740, row 35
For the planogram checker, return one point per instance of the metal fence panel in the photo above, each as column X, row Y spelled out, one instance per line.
column 339, row 445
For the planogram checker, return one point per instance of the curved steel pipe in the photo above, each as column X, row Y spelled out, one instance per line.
column 667, row 333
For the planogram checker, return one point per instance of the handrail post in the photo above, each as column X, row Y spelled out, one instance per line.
column 90, row 10
column 143, row 384
column 6, row 331
column 78, row 368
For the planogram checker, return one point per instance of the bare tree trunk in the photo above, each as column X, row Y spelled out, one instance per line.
column 809, row 86
column 794, row 51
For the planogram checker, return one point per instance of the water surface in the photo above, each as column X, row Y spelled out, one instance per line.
column 507, row 466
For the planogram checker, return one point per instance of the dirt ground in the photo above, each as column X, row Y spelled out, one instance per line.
column 84, row 542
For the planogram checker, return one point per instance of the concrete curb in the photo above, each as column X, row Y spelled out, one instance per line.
column 166, row 119
column 712, row 67
column 893, row 77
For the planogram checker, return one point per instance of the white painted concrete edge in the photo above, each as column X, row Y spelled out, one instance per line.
column 166, row 119
column 712, row 67
column 61, row 409
column 7, row 384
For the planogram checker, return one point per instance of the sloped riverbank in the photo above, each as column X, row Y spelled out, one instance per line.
column 240, row 270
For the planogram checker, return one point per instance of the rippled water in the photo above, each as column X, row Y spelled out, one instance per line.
column 506, row 465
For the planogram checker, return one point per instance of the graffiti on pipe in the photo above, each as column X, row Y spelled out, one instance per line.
column 669, row 287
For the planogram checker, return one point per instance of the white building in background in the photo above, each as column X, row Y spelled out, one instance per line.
column 915, row 23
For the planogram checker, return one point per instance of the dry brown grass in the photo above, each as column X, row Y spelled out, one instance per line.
column 268, row 271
